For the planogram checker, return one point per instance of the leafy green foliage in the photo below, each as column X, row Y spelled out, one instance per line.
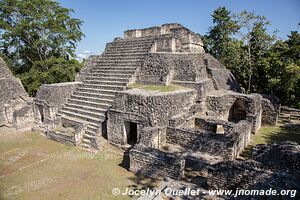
column 219, row 41
column 36, row 32
column 52, row 70
column 260, row 62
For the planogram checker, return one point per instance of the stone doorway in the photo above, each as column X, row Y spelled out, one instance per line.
column 237, row 111
column 131, row 132
column 41, row 112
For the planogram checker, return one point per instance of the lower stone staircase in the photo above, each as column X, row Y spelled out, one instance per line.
column 289, row 115
column 111, row 73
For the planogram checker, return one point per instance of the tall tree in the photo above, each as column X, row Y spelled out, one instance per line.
column 253, row 34
column 221, row 43
column 292, row 69
column 219, row 39
column 38, row 31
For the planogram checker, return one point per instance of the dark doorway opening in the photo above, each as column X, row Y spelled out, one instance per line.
column 41, row 111
column 131, row 132
column 237, row 111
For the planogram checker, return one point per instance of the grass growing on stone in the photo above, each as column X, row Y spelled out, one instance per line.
column 34, row 167
column 160, row 88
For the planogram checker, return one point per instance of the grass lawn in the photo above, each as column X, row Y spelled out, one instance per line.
column 273, row 134
column 34, row 167
column 161, row 88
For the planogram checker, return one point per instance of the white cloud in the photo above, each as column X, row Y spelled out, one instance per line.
column 86, row 52
column 83, row 55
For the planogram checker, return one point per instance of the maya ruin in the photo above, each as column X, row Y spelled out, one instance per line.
column 202, row 123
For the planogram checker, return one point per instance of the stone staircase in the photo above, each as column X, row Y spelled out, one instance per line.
column 111, row 73
column 289, row 115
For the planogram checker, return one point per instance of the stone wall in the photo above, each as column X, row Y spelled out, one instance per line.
column 23, row 117
column 169, row 38
column 271, row 110
column 154, row 137
column 227, row 145
column 281, row 156
column 223, row 79
column 220, row 104
column 163, row 68
column 147, row 109
column 273, row 166
column 66, row 131
column 199, row 71
column 12, row 95
column 235, row 174
column 215, row 144
column 157, row 69
column 155, row 163
column 50, row 98
column 151, row 31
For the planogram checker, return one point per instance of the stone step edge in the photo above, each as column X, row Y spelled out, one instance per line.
column 63, row 112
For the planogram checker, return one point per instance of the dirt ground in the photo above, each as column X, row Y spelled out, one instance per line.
column 34, row 167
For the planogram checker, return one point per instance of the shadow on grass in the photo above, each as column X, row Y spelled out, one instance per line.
column 287, row 132
column 125, row 161
column 273, row 134
column 140, row 182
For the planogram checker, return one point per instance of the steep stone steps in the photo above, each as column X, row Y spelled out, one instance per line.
column 86, row 118
column 109, row 75
column 89, row 103
column 126, row 50
column 104, row 87
column 95, row 95
column 133, row 40
column 92, row 99
column 92, row 129
column 103, row 78
column 101, row 68
column 115, row 71
column 121, row 50
column 112, row 72
column 98, row 91
column 91, row 126
column 120, row 58
column 94, row 113
column 128, row 44
column 101, row 82
column 86, row 108
column 126, row 54
column 118, row 61
column 116, row 64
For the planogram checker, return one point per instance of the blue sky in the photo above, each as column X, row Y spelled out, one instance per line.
column 103, row 20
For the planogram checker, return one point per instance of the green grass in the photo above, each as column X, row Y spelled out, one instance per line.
column 34, row 167
column 160, row 88
column 273, row 134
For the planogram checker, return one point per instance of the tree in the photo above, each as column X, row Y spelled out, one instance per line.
column 219, row 40
column 222, row 44
column 52, row 70
column 253, row 34
column 291, row 79
column 34, row 31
